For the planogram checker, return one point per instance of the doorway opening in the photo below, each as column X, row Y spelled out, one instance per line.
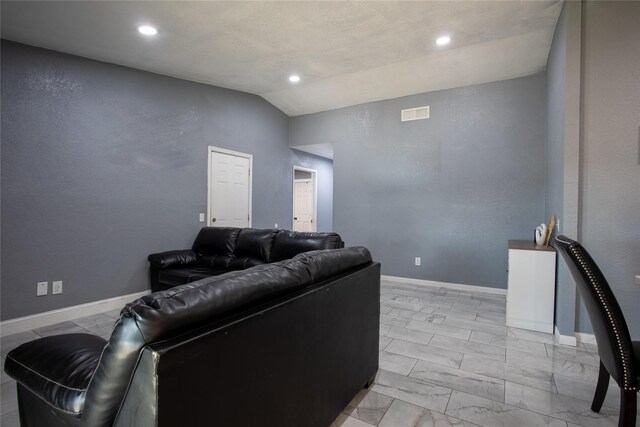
column 229, row 188
column 305, row 199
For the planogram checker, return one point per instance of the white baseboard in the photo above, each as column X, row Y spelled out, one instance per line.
column 586, row 338
column 531, row 325
column 22, row 324
column 454, row 286
column 564, row 339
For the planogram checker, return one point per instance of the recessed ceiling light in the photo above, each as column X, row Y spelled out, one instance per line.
column 294, row 78
column 147, row 30
column 443, row 40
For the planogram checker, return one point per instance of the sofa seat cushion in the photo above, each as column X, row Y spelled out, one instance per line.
column 58, row 368
column 180, row 276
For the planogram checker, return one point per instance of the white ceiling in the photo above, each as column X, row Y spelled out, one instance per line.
column 346, row 53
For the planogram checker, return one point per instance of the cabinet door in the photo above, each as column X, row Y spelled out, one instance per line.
column 531, row 293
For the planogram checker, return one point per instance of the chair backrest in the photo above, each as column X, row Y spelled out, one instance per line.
column 612, row 335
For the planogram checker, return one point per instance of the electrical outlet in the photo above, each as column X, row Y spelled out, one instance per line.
column 56, row 287
column 42, row 289
column 418, row 260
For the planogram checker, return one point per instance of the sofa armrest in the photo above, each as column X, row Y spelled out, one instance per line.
column 179, row 258
column 58, row 368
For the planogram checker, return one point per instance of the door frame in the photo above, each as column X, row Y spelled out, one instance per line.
column 210, row 150
column 314, row 183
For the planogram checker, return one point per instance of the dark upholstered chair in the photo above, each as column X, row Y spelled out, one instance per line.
column 619, row 356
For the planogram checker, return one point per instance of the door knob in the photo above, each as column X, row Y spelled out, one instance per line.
column 213, row 220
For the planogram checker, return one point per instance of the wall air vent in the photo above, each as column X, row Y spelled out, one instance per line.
column 417, row 113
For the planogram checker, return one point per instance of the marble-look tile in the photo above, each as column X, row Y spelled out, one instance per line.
column 5, row 377
column 113, row 313
column 425, row 352
column 573, row 353
column 406, row 334
column 10, row 342
column 412, row 390
column 59, row 329
column 557, row 366
column 369, row 406
column 397, row 363
column 457, row 379
column 385, row 309
column 402, row 313
column 392, row 321
column 94, row 320
column 525, row 334
column 593, row 348
column 384, row 341
column 469, row 347
column 442, row 329
column 9, row 395
column 403, row 414
column 11, row 419
column 509, row 342
column 498, row 319
column 452, row 300
column 431, row 309
column 585, row 391
column 456, row 314
column 477, row 326
column 532, row 377
column 487, row 412
column 403, row 304
column 479, row 308
column 347, row 421
column 558, row 406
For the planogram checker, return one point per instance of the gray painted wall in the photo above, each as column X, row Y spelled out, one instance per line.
column 610, row 157
column 563, row 139
column 102, row 165
column 452, row 189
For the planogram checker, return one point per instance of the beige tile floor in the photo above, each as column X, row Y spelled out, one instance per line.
column 446, row 359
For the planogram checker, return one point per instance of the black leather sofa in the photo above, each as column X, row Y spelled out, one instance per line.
column 217, row 250
column 282, row 344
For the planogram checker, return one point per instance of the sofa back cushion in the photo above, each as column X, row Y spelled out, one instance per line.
column 215, row 245
column 253, row 247
column 288, row 244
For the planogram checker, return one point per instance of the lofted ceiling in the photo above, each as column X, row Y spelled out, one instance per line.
column 346, row 52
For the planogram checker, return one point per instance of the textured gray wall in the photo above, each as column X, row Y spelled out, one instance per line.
column 610, row 157
column 452, row 189
column 102, row 165
column 563, row 139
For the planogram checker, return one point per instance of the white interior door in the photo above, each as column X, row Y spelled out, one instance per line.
column 229, row 188
column 303, row 208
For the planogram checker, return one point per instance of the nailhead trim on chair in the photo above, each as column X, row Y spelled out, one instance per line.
column 623, row 352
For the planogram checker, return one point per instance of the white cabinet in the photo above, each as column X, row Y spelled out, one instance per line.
column 531, row 287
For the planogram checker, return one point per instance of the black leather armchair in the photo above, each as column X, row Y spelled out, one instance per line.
column 619, row 355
